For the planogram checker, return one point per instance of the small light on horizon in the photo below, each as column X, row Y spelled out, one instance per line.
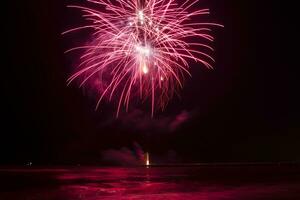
column 147, row 159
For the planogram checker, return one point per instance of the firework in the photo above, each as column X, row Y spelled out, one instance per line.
column 141, row 49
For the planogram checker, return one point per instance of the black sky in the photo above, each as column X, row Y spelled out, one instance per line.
column 239, row 111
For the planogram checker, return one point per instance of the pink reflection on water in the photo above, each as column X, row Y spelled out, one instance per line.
column 162, row 191
column 174, row 183
column 154, row 183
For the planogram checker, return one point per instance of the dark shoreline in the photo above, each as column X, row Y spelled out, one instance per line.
column 234, row 164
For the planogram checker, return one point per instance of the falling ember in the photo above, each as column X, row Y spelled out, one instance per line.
column 145, row 69
column 134, row 38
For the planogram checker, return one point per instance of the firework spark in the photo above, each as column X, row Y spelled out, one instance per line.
column 142, row 48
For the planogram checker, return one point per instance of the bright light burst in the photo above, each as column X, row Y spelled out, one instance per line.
column 141, row 48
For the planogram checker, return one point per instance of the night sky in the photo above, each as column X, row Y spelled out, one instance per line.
column 236, row 112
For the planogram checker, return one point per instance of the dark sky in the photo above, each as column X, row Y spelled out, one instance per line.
column 236, row 112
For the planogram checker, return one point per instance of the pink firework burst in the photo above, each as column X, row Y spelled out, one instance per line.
column 142, row 48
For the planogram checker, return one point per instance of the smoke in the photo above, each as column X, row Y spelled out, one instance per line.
column 179, row 120
column 124, row 156
column 136, row 156
column 141, row 121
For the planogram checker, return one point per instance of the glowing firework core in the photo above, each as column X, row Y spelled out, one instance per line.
column 143, row 51
column 142, row 47
column 141, row 16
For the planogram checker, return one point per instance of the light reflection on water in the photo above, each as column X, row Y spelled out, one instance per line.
column 178, row 183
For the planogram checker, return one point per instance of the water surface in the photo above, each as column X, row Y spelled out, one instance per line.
column 154, row 183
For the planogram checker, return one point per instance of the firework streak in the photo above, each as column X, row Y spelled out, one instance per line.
column 142, row 49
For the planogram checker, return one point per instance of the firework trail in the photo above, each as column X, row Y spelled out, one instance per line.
column 141, row 49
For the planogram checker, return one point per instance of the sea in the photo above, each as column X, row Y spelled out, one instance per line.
column 194, row 182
